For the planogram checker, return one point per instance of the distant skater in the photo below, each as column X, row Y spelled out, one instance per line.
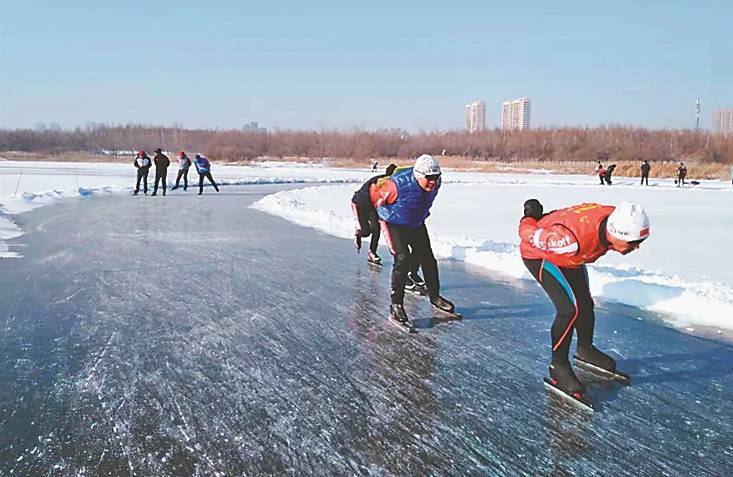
column 601, row 171
column 681, row 174
column 142, row 163
column 161, row 170
column 184, row 163
column 645, row 168
column 203, row 167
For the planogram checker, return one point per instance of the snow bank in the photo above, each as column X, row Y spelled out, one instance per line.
column 673, row 273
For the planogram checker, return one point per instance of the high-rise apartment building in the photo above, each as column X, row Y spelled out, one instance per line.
column 475, row 116
column 515, row 114
column 723, row 121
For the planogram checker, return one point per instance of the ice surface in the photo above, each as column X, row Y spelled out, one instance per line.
column 195, row 336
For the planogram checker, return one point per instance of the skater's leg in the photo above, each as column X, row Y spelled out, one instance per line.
column 396, row 237
column 373, row 225
column 553, row 281
column 139, row 178
column 211, row 179
column 423, row 256
column 178, row 179
column 185, row 179
column 145, row 182
column 201, row 183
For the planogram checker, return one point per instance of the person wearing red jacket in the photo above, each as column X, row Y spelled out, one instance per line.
column 555, row 248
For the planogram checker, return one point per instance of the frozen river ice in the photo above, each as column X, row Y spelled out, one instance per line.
column 192, row 335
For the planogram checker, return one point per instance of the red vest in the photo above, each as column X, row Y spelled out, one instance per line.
column 575, row 227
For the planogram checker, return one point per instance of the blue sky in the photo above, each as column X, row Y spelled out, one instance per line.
column 412, row 65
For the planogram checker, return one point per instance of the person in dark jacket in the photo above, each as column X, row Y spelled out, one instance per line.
column 609, row 173
column 645, row 168
column 161, row 169
column 681, row 174
column 184, row 164
column 142, row 163
column 203, row 167
column 365, row 216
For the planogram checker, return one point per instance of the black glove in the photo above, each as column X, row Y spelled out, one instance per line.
column 533, row 208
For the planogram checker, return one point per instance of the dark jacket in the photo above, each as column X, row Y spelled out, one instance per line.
column 645, row 168
column 361, row 197
column 161, row 162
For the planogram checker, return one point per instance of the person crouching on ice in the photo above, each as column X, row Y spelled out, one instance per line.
column 203, row 167
column 555, row 248
column 365, row 216
column 403, row 203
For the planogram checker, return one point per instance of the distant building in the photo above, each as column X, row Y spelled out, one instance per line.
column 475, row 116
column 723, row 121
column 254, row 126
column 515, row 114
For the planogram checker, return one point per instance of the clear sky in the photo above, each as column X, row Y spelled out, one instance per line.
column 344, row 64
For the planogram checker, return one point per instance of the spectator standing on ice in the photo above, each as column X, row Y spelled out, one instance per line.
column 555, row 248
column 184, row 163
column 142, row 163
column 365, row 216
column 645, row 168
column 681, row 174
column 161, row 170
column 403, row 202
column 374, row 166
column 203, row 167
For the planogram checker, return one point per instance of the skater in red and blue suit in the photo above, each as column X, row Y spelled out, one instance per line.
column 403, row 203
column 555, row 248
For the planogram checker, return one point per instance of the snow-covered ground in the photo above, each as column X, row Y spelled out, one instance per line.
column 683, row 270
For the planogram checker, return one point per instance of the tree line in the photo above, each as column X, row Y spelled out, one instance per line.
column 615, row 143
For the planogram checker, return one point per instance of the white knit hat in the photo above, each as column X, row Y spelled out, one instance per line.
column 628, row 222
column 426, row 165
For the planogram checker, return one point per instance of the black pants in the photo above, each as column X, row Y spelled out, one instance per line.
column 206, row 175
column 568, row 289
column 368, row 224
column 680, row 181
column 410, row 247
column 160, row 176
column 644, row 178
column 142, row 175
column 182, row 173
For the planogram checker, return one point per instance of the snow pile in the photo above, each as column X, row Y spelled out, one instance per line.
column 672, row 273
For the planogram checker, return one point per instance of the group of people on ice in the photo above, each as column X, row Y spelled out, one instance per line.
column 143, row 163
column 605, row 173
column 555, row 246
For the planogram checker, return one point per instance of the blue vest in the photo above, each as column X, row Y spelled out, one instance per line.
column 202, row 164
column 413, row 204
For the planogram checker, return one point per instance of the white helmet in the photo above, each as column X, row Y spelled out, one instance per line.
column 426, row 165
column 628, row 222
